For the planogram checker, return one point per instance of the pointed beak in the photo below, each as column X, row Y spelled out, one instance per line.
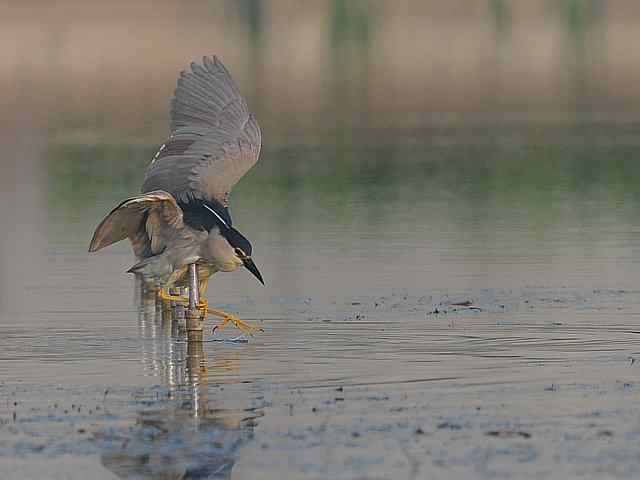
column 248, row 263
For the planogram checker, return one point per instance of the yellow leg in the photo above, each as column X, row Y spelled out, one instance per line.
column 173, row 278
column 202, row 287
column 227, row 318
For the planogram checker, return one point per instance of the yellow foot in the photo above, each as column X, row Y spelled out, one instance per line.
column 227, row 318
column 164, row 295
column 203, row 306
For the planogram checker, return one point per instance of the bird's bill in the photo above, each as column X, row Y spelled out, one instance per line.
column 248, row 263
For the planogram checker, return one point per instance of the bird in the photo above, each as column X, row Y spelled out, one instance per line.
column 181, row 217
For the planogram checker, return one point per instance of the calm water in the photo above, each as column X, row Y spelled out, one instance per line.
column 367, row 367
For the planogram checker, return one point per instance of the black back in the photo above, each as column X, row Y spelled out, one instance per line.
column 206, row 214
column 199, row 216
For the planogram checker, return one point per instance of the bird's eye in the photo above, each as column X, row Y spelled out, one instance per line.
column 240, row 253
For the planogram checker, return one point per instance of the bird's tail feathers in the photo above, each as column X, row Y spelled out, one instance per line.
column 140, row 266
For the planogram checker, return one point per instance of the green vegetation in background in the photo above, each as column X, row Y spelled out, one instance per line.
column 351, row 22
column 582, row 14
column 83, row 178
column 379, row 185
column 501, row 15
column 251, row 10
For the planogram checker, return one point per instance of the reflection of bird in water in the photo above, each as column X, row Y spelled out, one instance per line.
column 180, row 225
column 180, row 435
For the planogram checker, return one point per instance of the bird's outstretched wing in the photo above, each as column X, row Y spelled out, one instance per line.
column 148, row 220
column 214, row 138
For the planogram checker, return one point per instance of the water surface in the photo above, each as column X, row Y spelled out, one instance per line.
column 430, row 309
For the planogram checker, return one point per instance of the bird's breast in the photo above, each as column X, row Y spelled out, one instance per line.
column 226, row 266
column 205, row 270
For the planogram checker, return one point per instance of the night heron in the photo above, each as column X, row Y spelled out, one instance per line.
column 180, row 227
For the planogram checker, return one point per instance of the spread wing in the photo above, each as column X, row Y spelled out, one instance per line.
column 214, row 138
column 148, row 220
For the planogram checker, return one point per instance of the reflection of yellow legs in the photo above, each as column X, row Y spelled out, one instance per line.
column 227, row 318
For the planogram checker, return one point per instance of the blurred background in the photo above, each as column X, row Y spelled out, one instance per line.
column 102, row 72
column 479, row 142
column 418, row 155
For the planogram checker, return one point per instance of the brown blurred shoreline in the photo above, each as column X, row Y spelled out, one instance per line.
column 107, row 70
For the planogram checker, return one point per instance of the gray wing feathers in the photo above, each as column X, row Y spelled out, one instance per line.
column 219, row 138
column 203, row 94
column 219, row 172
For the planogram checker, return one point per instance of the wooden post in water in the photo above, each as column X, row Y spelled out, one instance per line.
column 194, row 316
column 196, row 370
column 165, row 305
column 179, row 311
